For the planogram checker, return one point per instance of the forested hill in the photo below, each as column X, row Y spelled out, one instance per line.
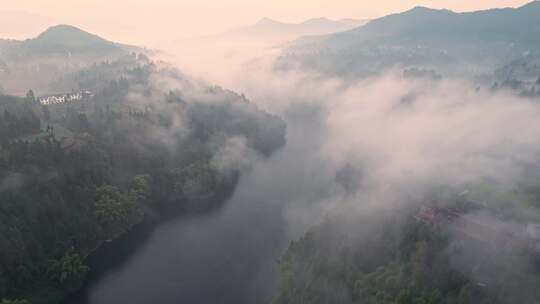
column 443, row 248
column 36, row 62
column 150, row 141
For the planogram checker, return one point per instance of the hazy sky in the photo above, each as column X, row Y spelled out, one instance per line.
column 150, row 21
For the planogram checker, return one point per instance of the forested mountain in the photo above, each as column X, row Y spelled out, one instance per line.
column 67, row 39
column 148, row 142
column 61, row 40
column 472, row 42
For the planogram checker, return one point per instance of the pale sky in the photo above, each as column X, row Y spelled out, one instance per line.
column 150, row 21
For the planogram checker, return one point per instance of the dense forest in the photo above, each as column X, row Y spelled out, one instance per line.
column 77, row 174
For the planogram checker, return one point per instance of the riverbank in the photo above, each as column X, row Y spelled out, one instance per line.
column 112, row 254
column 48, row 292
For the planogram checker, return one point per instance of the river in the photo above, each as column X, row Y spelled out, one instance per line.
column 228, row 256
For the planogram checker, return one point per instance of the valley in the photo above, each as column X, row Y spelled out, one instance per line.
column 390, row 159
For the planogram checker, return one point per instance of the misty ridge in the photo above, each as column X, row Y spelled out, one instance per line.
column 395, row 161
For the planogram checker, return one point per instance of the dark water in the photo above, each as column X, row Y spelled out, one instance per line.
column 229, row 256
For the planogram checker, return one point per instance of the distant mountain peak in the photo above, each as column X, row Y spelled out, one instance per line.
column 317, row 20
column 420, row 8
column 63, row 31
column 267, row 21
column 427, row 10
column 63, row 27
column 66, row 38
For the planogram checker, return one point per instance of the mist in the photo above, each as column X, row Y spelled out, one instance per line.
column 274, row 177
column 404, row 136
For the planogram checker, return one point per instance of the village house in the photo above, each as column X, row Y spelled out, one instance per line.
column 64, row 98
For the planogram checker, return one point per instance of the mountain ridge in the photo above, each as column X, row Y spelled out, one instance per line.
column 421, row 14
column 281, row 32
column 424, row 36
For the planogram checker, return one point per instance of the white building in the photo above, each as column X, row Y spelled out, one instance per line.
column 64, row 98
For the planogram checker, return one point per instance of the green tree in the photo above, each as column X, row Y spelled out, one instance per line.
column 419, row 261
column 140, row 187
column 403, row 297
column 30, row 96
column 112, row 205
column 68, row 266
column 46, row 113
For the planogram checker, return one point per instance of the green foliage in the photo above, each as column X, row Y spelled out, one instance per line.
column 69, row 266
column 112, row 205
column 30, row 96
column 140, row 187
column 197, row 181
column 16, row 119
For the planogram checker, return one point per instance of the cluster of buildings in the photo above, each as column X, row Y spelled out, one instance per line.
column 65, row 98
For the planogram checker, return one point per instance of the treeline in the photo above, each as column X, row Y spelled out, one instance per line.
column 17, row 118
column 104, row 165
